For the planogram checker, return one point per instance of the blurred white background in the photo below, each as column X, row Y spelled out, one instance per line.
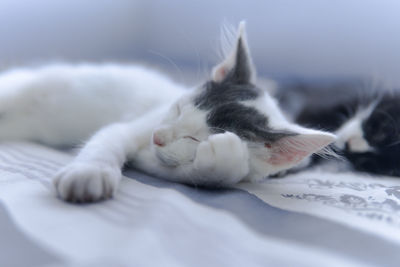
column 308, row 38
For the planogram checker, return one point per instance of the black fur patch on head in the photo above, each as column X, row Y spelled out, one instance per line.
column 244, row 121
column 214, row 94
column 226, row 113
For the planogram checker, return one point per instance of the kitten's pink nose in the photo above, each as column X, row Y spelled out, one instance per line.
column 157, row 140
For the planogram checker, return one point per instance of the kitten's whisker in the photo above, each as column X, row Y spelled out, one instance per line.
column 180, row 72
column 395, row 143
column 189, row 41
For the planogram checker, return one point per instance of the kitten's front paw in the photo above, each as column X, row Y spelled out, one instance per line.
column 86, row 182
column 223, row 159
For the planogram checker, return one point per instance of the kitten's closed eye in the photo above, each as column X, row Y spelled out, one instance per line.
column 192, row 138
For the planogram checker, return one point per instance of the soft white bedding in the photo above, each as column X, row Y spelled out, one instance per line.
column 314, row 218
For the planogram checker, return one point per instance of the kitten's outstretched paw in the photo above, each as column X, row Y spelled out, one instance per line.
column 86, row 182
column 223, row 158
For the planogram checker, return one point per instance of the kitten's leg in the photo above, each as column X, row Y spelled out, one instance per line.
column 221, row 160
column 96, row 171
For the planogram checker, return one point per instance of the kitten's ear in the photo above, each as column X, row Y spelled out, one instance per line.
column 237, row 65
column 290, row 150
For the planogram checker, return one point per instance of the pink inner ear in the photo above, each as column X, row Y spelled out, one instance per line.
column 219, row 73
column 288, row 155
column 291, row 150
column 222, row 72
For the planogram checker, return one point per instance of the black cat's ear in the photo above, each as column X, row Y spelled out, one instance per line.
column 237, row 66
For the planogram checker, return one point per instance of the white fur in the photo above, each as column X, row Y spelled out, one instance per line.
column 64, row 104
column 351, row 132
column 140, row 116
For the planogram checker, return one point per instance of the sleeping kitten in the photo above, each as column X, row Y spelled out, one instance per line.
column 367, row 125
column 225, row 131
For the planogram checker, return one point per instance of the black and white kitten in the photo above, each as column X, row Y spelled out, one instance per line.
column 225, row 131
column 367, row 125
